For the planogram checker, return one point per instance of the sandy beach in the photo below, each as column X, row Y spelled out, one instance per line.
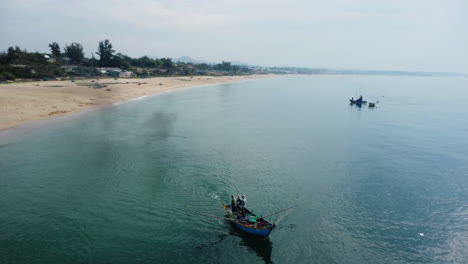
column 21, row 103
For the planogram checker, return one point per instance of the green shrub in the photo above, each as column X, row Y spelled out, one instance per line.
column 7, row 76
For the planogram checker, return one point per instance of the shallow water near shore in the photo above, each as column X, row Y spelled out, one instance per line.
column 371, row 185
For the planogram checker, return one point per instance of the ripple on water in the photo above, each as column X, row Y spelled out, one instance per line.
column 120, row 185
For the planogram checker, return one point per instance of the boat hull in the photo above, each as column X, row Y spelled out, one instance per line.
column 260, row 231
column 357, row 102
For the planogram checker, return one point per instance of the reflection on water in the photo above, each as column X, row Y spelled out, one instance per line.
column 263, row 247
column 355, row 105
column 161, row 124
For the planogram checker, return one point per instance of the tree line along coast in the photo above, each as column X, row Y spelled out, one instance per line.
column 70, row 62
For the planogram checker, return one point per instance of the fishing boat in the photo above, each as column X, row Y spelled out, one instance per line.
column 250, row 222
column 351, row 101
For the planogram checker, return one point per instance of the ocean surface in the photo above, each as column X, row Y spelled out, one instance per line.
column 370, row 185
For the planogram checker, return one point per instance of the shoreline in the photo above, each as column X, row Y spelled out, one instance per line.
column 33, row 102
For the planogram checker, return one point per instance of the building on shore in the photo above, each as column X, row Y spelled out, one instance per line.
column 116, row 72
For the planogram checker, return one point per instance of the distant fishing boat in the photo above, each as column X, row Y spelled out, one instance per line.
column 351, row 101
column 250, row 222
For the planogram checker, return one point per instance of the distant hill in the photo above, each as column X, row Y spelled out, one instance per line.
column 242, row 63
column 187, row 59
column 397, row 73
column 305, row 70
column 300, row 70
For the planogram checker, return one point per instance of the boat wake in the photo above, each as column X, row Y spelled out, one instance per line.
column 214, row 196
column 282, row 217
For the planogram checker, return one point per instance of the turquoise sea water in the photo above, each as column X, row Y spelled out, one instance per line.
column 116, row 185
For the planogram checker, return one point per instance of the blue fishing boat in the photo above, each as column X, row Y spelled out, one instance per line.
column 351, row 101
column 247, row 221
column 250, row 222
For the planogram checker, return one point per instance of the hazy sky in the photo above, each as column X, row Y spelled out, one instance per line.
column 413, row 35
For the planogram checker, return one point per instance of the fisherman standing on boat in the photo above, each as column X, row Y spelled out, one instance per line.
column 244, row 199
column 233, row 205
column 239, row 205
column 242, row 204
column 359, row 99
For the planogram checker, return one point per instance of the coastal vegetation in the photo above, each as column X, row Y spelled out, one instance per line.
column 71, row 62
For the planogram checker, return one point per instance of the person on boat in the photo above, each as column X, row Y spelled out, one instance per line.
column 244, row 198
column 359, row 99
column 240, row 204
column 233, row 205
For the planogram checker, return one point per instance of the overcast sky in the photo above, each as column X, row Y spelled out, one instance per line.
column 413, row 35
